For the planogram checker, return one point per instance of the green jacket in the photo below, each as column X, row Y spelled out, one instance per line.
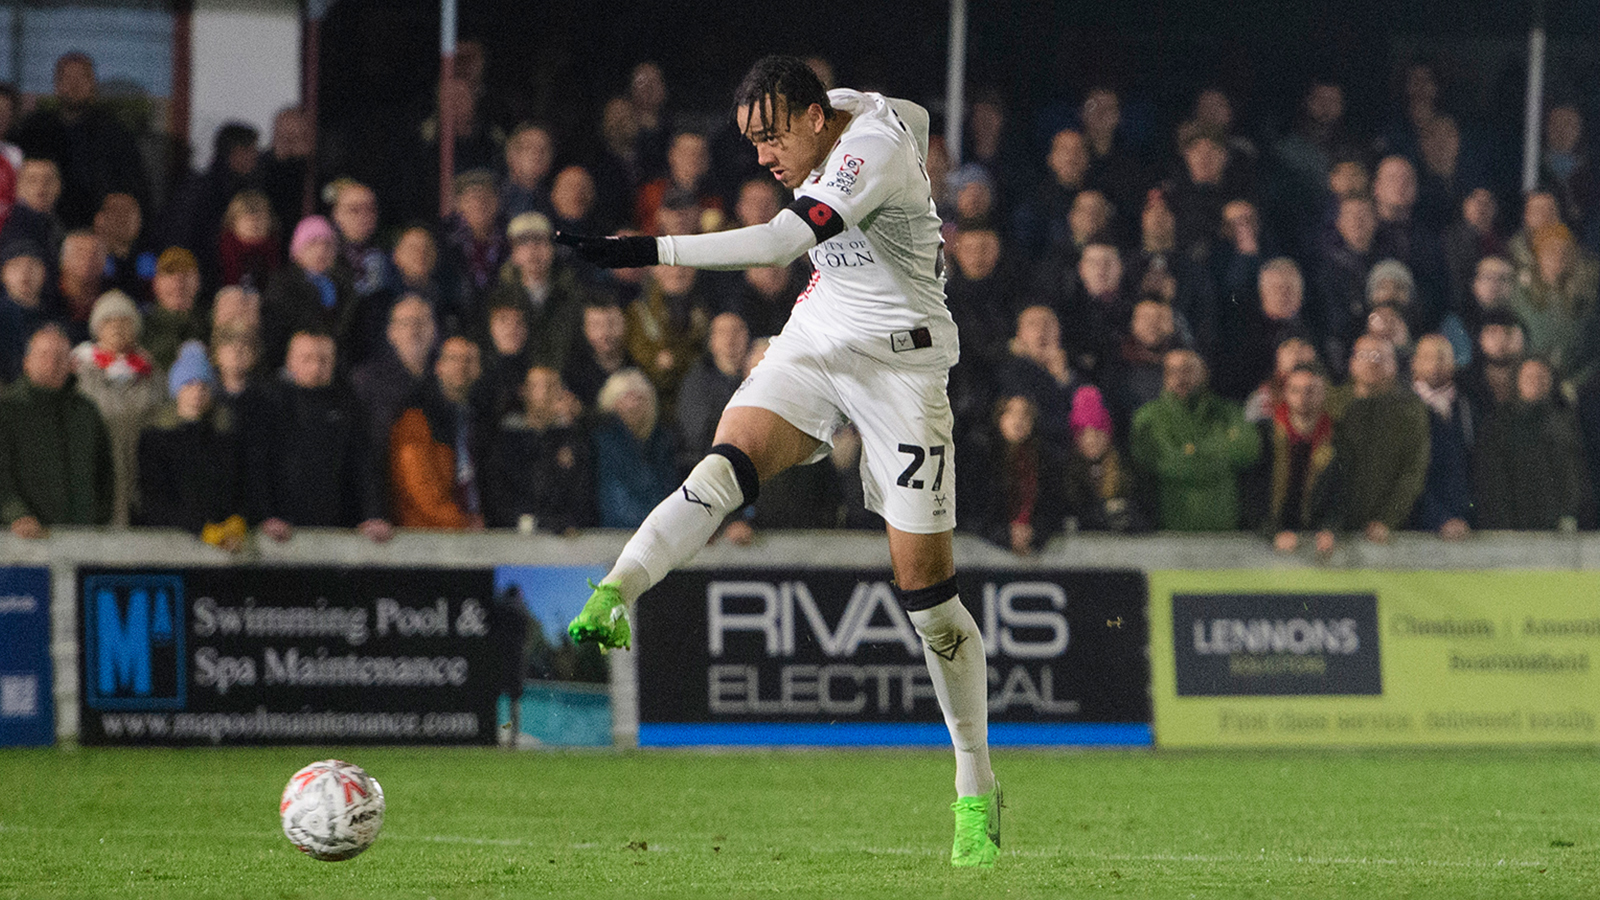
column 55, row 457
column 1193, row 451
column 165, row 331
column 1381, row 447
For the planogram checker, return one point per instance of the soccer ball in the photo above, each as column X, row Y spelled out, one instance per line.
column 332, row 810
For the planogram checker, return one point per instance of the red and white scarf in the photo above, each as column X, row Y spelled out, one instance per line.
column 132, row 365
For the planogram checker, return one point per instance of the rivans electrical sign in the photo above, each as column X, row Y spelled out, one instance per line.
column 791, row 656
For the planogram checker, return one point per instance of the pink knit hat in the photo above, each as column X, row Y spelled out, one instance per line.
column 1088, row 411
column 311, row 228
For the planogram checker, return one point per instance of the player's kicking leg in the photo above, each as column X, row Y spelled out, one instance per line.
column 952, row 645
column 751, row 445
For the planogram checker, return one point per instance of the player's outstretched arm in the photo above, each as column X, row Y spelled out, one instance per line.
column 776, row 243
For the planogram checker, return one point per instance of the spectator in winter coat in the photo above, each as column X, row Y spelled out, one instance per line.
column 668, row 324
column 1290, row 488
column 1530, row 465
column 33, row 216
column 310, row 459
column 474, row 247
column 171, row 319
column 1135, row 375
column 540, row 461
column 1038, row 369
column 235, row 350
column 1024, row 503
column 119, row 224
column 96, row 153
column 545, row 289
column 1381, row 445
column 191, row 472
column 1101, row 491
column 125, row 385
column 248, row 249
column 530, row 153
column 710, row 384
column 353, row 212
column 604, row 351
column 79, row 282
column 22, row 274
column 385, row 382
column 1345, row 257
column 309, row 294
column 55, row 453
column 436, row 447
column 1558, row 300
column 633, row 451
column 1446, row 502
column 1193, row 444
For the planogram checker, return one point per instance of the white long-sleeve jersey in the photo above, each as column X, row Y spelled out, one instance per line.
column 878, row 286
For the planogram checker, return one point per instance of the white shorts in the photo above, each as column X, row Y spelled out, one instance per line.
column 908, row 465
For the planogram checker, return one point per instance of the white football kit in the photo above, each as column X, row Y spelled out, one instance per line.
column 870, row 340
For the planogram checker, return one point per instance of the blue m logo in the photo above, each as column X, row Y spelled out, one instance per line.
column 133, row 641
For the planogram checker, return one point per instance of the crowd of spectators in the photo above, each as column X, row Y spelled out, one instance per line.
column 1318, row 332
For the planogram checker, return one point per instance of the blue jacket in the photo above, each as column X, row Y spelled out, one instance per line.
column 631, row 476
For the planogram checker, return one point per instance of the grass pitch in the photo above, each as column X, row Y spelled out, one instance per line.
column 487, row 823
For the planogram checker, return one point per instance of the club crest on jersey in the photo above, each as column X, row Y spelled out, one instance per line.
column 844, row 180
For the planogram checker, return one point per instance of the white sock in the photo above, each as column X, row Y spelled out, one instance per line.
column 953, row 647
column 678, row 527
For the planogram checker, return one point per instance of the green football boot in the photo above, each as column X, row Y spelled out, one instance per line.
column 977, row 841
column 604, row 619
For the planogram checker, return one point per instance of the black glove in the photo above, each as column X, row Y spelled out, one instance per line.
column 612, row 252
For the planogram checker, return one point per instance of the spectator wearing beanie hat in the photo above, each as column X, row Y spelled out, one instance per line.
column 309, row 295
column 192, row 366
column 190, row 474
column 171, row 319
column 118, row 376
column 1099, row 484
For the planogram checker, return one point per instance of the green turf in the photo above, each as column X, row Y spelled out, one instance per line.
column 486, row 823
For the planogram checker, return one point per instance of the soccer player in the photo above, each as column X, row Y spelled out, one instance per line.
column 871, row 342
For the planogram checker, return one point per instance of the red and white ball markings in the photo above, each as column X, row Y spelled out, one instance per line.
column 332, row 810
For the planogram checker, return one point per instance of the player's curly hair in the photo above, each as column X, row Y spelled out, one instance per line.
column 781, row 76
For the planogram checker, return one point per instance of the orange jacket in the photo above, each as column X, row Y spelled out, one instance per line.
column 422, row 475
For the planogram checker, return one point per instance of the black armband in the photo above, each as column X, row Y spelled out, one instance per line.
column 824, row 221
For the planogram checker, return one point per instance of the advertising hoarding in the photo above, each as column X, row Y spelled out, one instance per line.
column 1371, row 658
column 267, row 655
column 826, row 656
column 27, row 712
